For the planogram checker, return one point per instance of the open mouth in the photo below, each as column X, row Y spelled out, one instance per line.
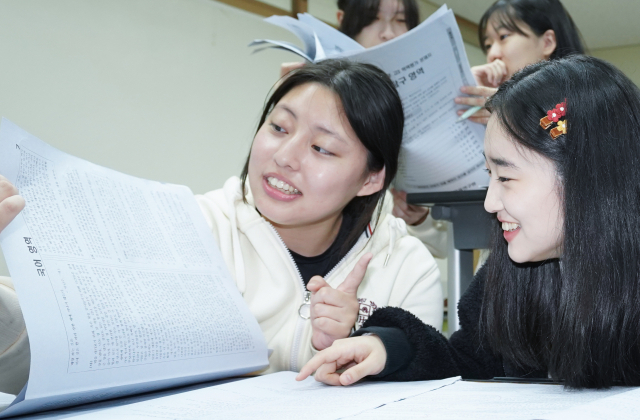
column 510, row 227
column 282, row 186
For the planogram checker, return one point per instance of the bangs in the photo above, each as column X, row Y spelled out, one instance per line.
column 500, row 15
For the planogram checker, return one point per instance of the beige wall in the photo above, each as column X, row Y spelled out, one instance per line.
column 626, row 59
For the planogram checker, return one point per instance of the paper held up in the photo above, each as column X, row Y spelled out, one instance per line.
column 319, row 39
column 428, row 66
column 121, row 284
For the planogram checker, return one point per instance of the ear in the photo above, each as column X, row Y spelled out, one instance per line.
column 373, row 183
column 549, row 43
column 339, row 16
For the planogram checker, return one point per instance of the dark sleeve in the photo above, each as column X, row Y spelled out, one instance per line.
column 398, row 347
column 435, row 357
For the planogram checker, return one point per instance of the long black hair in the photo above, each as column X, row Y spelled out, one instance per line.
column 361, row 13
column 373, row 108
column 577, row 317
column 540, row 16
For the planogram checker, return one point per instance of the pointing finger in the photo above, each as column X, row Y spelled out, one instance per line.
column 352, row 282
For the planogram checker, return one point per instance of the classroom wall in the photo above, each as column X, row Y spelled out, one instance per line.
column 626, row 59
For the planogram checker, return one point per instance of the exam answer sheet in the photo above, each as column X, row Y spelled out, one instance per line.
column 493, row 401
column 276, row 396
column 120, row 281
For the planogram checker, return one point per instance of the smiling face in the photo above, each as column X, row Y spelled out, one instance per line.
column 515, row 49
column 389, row 23
column 306, row 162
column 523, row 192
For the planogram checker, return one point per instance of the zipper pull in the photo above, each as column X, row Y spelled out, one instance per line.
column 305, row 309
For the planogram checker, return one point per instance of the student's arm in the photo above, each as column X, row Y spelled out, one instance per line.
column 15, row 356
column 14, row 344
column 420, row 224
column 432, row 356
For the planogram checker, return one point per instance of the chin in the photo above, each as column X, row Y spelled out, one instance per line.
column 520, row 257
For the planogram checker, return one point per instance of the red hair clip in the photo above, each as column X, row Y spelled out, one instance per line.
column 553, row 116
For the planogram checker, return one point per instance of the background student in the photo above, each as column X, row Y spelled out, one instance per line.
column 308, row 203
column 559, row 295
column 514, row 34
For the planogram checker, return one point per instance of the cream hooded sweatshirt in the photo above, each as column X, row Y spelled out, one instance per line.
column 402, row 273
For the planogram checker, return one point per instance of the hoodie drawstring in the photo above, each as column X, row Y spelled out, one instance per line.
column 397, row 228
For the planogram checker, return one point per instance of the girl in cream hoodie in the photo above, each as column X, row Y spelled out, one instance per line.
column 304, row 231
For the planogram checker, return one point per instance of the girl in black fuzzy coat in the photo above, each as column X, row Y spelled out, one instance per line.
column 559, row 296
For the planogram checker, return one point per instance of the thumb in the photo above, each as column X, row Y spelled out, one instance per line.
column 367, row 367
column 316, row 283
column 352, row 282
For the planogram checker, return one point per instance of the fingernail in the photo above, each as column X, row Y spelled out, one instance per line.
column 463, row 89
column 347, row 378
column 457, row 100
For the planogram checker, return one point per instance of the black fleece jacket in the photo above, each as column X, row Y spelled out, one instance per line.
column 416, row 351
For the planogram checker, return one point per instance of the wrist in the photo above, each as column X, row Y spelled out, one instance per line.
column 421, row 220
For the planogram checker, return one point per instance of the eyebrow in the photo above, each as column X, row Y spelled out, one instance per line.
column 287, row 109
column 317, row 127
column 501, row 162
column 330, row 133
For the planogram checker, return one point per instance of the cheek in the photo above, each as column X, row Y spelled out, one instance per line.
column 368, row 36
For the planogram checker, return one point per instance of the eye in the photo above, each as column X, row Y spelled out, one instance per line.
column 321, row 150
column 503, row 179
column 487, row 46
column 503, row 36
column 277, row 128
column 487, row 170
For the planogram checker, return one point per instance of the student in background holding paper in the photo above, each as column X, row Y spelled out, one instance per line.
column 307, row 204
column 514, row 34
column 559, row 295
column 371, row 22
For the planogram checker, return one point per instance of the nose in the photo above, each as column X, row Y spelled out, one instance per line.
column 387, row 33
column 290, row 152
column 492, row 202
column 494, row 52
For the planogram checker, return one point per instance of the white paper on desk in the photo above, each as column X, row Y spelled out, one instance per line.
column 428, row 66
column 621, row 406
column 276, row 396
column 489, row 401
column 121, row 283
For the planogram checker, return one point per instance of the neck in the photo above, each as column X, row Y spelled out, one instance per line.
column 312, row 239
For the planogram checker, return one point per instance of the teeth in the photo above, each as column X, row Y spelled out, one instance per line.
column 510, row 227
column 281, row 185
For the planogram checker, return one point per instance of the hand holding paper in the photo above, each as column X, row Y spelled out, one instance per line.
column 478, row 98
column 334, row 311
column 10, row 202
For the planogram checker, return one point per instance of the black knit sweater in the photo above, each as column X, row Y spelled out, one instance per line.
column 416, row 351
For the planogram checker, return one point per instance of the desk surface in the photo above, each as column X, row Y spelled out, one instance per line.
column 445, row 399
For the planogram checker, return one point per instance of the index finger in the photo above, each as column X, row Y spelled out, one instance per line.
column 329, row 355
column 355, row 277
